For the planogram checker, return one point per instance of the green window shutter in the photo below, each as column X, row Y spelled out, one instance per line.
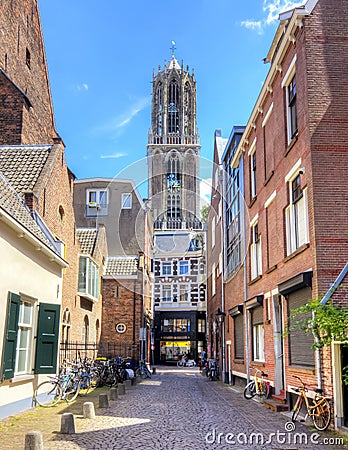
column 47, row 338
column 9, row 355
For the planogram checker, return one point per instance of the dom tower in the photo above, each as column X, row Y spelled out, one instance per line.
column 179, row 260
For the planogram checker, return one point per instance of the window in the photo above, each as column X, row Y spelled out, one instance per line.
column 292, row 108
column 27, row 58
column 201, row 326
column 255, row 252
column 296, row 216
column 96, row 202
column 289, row 84
column 213, row 280
column 258, row 333
column 185, row 293
column 233, row 222
column 175, row 325
column 166, row 293
column 85, row 331
column 24, row 339
column 166, row 268
column 253, row 174
column 238, row 336
column 183, row 267
column 88, row 277
column 126, row 201
column 19, row 344
column 66, row 324
column 258, row 343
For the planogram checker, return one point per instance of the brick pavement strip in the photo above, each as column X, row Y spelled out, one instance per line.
column 177, row 409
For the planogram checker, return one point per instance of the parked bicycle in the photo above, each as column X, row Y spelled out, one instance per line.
column 63, row 387
column 257, row 386
column 142, row 370
column 318, row 408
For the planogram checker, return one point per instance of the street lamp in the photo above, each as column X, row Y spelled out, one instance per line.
column 220, row 318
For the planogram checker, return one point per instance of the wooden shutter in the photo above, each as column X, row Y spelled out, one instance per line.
column 300, row 351
column 47, row 338
column 9, row 355
column 257, row 315
column 238, row 336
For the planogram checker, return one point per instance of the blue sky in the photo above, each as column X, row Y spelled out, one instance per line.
column 101, row 56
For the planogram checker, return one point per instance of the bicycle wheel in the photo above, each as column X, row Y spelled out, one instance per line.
column 265, row 389
column 250, row 390
column 147, row 373
column 297, row 408
column 180, row 364
column 48, row 393
column 321, row 414
column 72, row 390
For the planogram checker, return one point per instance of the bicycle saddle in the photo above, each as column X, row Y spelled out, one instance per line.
column 264, row 374
column 318, row 391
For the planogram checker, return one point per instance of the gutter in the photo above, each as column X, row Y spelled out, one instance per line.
column 24, row 233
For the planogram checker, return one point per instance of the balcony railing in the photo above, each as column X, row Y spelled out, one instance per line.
column 178, row 224
column 175, row 139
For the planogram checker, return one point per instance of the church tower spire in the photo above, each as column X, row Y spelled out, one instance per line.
column 173, row 147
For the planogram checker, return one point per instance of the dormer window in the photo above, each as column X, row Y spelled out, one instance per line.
column 96, row 202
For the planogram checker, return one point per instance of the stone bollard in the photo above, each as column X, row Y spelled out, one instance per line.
column 127, row 384
column 134, row 381
column 154, row 370
column 88, row 410
column 33, row 441
column 113, row 393
column 103, row 401
column 67, row 425
column 121, row 389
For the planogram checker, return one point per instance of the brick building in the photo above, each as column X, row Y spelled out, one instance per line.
column 115, row 205
column 35, row 164
column 293, row 155
column 215, row 333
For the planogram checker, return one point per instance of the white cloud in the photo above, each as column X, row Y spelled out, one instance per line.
column 272, row 8
column 275, row 7
column 253, row 25
column 114, row 155
column 115, row 125
column 81, row 87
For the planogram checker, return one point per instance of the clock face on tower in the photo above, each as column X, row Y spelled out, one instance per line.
column 173, row 184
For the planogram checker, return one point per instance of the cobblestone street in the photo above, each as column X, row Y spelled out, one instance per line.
column 177, row 409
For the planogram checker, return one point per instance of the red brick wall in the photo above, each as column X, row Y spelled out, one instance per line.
column 21, row 31
column 121, row 310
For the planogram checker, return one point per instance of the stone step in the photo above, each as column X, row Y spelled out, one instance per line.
column 279, row 398
column 274, row 405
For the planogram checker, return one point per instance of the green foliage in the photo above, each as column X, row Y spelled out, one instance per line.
column 327, row 322
column 205, row 212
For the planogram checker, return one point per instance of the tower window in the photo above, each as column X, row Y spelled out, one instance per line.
column 27, row 58
column 173, row 102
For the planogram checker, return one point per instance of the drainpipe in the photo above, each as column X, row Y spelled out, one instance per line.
column 223, row 326
column 317, row 354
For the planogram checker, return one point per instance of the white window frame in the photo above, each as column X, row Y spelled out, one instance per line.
column 91, row 285
column 296, row 218
column 184, row 264
column 252, row 155
column 126, row 200
column 255, row 252
column 184, row 293
column 259, row 342
column 213, row 280
column 101, row 198
column 166, row 287
column 166, row 264
column 288, row 77
column 27, row 348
